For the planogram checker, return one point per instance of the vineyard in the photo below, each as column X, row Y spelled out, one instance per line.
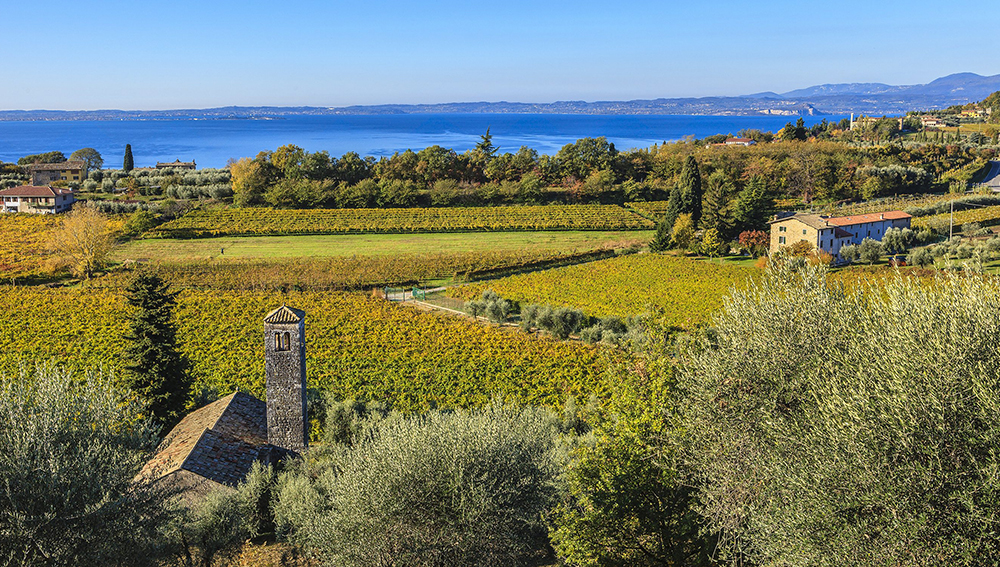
column 351, row 272
column 652, row 210
column 358, row 347
column 24, row 242
column 253, row 221
column 983, row 215
column 688, row 289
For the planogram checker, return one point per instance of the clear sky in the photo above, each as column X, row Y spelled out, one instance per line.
column 195, row 54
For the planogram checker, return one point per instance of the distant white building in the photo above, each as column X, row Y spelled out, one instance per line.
column 829, row 234
column 37, row 200
column 739, row 142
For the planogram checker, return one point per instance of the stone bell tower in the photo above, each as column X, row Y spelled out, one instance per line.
column 285, row 369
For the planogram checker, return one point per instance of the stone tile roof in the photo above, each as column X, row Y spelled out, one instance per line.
column 814, row 221
column 285, row 314
column 34, row 191
column 219, row 441
column 57, row 166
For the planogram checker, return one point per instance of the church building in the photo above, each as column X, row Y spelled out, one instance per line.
column 215, row 446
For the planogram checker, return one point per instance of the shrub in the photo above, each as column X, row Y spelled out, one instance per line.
column 222, row 520
column 870, row 251
column 445, row 488
column 490, row 305
column 850, row 252
column 624, row 500
column 920, row 257
column 70, row 450
column 609, row 330
column 818, row 421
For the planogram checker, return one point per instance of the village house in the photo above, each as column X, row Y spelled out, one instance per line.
column 37, row 200
column 931, row 122
column 739, row 142
column 176, row 165
column 48, row 173
column 215, row 446
column 829, row 234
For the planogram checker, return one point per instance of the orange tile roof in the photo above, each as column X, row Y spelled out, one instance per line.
column 870, row 217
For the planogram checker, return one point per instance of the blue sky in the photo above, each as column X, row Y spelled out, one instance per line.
column 185, row 54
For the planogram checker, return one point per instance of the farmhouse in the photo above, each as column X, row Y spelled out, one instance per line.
column 215, row 446
column 176, row 165
column 46, row 173
column 829, row 234
column 739, row 142
column 931, row 122
column 34, row 199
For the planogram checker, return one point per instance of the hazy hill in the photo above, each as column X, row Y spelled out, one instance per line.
column 842, row 98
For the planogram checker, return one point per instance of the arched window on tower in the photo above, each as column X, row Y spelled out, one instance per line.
column 280, row 341
column 285, row 342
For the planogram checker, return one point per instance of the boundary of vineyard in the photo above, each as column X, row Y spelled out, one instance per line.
column 191, row 234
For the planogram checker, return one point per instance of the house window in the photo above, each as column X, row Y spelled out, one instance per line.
column 782, row 228
column 781, row 240
column 803, row 231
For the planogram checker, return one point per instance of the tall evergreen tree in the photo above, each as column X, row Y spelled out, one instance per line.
column 129, row 164
column 690, row 189
column 752, row 205
column 154, row 368
column 673, row 209
column 661, row 240
column 715, row 211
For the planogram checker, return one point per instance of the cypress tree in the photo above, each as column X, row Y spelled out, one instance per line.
column 690, row 189
column 154, row 368
column 673, row 209
column 129, row 164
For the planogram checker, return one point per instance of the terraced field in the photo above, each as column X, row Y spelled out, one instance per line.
column 259, row 221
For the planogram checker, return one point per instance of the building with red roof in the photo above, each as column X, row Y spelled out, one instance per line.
column 829, row 234
column 35, row 199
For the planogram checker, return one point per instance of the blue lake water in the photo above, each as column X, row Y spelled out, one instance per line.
column 211, row 143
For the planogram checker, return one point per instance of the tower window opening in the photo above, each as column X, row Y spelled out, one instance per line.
column 281, row 341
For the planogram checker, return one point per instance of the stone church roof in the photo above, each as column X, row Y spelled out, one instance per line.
column 284, row 314
column 218, row 442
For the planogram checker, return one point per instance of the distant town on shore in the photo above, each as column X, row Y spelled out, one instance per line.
column 843, row 98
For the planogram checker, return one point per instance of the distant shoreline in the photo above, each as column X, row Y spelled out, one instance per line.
column 871, row 99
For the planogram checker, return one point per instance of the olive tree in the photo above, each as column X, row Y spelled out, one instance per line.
column 832, row 427
column 70, row 451
column 870, row 251
column 444, row 488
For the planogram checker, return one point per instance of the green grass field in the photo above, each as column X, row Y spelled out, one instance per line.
column 316, row 246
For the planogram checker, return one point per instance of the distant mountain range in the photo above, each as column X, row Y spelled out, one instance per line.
column 844, row 98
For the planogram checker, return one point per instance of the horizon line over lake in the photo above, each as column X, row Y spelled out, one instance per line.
column 212, row 143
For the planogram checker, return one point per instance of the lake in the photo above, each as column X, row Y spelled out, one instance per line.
column 211, row 143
